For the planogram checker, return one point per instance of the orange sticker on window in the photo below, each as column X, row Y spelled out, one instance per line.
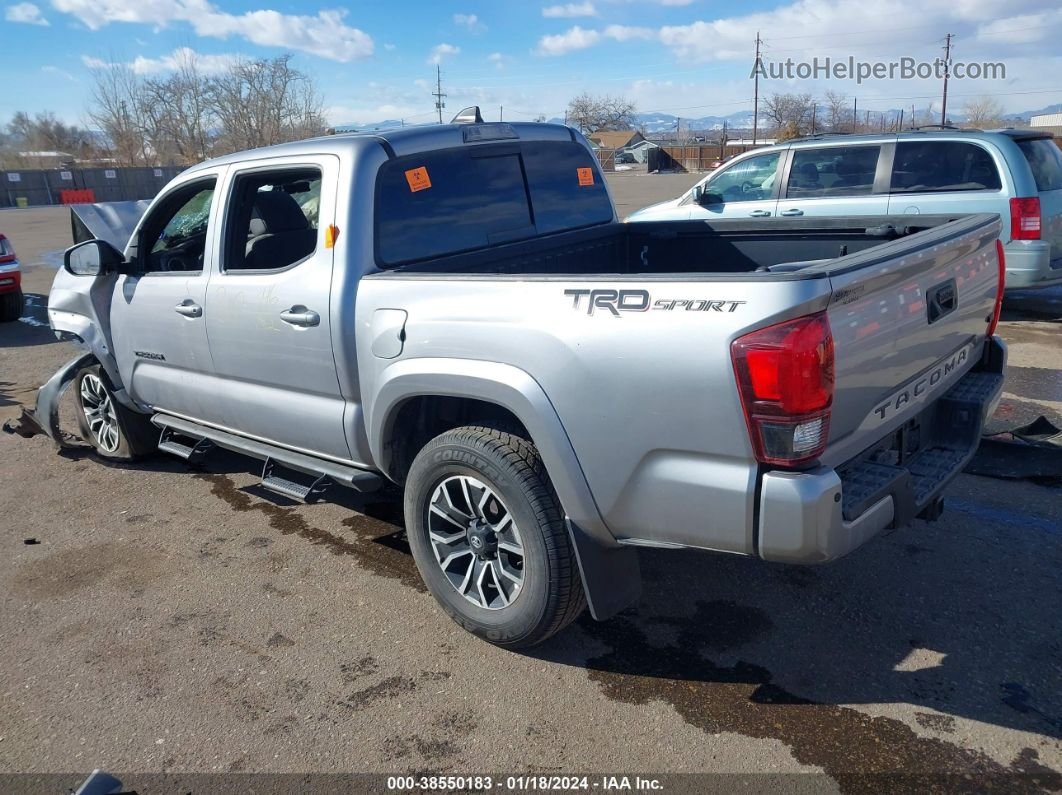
column 418, row 179
column 586, row 176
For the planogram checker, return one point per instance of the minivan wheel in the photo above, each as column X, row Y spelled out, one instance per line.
column 111, row 428
column 12, row 305
column 488, row 536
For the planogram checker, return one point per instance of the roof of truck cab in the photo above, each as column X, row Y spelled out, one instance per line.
column 401, row 141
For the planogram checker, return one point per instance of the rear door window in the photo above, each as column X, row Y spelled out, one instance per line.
column 943, row 166
column 445, row 202
column 1045, row 160
column 833, row 171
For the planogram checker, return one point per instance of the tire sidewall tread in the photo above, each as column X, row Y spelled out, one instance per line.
column 552, row 595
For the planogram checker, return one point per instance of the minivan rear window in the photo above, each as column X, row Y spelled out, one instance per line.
column 453, row 200
column 1045, row 160
column 942, row 166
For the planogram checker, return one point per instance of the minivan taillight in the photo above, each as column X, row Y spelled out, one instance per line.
column 785, row 379
column 1025, row 218
column 1001, row 285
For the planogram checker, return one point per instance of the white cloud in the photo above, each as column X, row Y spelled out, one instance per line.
column 27, row 13
column 389, row 47
column 498, row 59
column 570, row 10
column 324, row 35
column 205, row 64
column 441, row 51
column 470, row 22
column 48, row 69
column 627, row 33
column 576, row 38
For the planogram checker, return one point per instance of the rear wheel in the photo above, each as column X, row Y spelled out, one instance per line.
column 488, row 536
column 111, row 428
column 12, row 305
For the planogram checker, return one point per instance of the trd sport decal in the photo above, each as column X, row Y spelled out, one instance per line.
column 616, row 301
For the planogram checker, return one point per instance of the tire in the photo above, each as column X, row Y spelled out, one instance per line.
column 115, row 432
column 12, row 305
column 445, row 474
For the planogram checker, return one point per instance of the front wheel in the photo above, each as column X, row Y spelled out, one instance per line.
column 488, row 536
column 111, row 428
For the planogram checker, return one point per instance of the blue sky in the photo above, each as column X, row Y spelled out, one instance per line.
column 375, row 61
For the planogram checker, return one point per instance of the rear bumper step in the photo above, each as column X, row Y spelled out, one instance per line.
column 183, row 437
column 819, row 515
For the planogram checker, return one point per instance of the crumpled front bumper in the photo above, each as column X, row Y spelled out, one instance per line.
column 823, row 514
column 45, row 416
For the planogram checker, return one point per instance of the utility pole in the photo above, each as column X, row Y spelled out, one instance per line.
column 756, row 90
column 722, row 142
column 899, row 124
column 438, row 94
column 501, row 113
column 947, row 69
column 855, row 114
column 814, row 112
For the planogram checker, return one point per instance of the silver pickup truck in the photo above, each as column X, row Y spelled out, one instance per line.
column 456, row 310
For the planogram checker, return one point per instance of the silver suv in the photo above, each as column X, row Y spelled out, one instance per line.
column 1014, row 173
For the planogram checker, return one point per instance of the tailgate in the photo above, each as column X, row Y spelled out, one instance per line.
column 908, row 320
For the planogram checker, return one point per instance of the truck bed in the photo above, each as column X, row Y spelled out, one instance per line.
column 722, row 248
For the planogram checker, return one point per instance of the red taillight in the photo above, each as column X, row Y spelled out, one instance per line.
column 7, row 253
column 1025, row 219
column 785, row 379
column 999, row 288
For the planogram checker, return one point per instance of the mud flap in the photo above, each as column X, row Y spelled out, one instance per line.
column 45, row 417
column 612, row 578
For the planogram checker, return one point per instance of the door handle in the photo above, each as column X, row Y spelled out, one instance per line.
column 791, row 212
column 189, row 308
column 299, row 315
column 760, row 213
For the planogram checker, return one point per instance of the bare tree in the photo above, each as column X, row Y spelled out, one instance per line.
column 185, row 116
column 179, row 114
column 838, row 112
column 264, row 102
column 592, row 114
column 983, row 112
column 789, row 114
column 117, row 101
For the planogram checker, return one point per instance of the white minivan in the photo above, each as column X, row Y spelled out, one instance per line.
column 1014, row 173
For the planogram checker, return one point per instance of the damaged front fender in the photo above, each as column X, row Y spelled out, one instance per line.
column 45, row 417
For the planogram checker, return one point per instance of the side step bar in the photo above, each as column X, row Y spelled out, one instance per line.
column 177, row 433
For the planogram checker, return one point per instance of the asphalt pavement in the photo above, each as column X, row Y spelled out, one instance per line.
column 162, row 618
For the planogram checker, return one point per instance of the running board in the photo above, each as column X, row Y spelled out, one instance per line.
column 316, row 468
column 290, row 487
column 191, row 449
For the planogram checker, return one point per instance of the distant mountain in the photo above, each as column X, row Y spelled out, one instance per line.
column 662, row 123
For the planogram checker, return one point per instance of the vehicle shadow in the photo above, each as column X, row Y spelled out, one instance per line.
column 1042, row 304
column 32, row 328
column 954, row 618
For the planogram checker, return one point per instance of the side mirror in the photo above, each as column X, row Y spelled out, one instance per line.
column 93, row 258
column 698, row 192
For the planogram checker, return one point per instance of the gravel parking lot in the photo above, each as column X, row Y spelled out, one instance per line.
column 169, row 619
